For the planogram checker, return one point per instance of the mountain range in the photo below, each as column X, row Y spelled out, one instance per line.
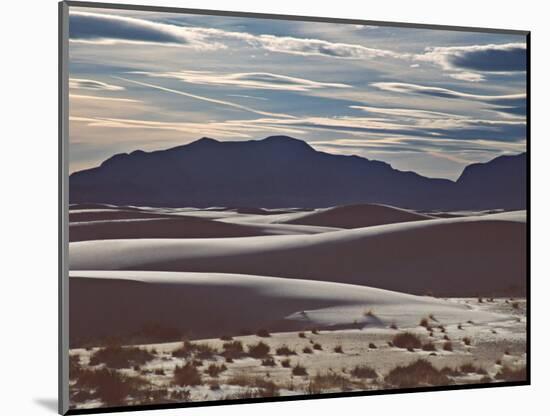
column 281, row 171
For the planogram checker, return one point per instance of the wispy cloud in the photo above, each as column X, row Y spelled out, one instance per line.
column 202, row 98
column 254, row 80
column 90, row 84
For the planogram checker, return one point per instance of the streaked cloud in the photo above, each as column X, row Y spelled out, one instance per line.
column 90, row 84
column 254, row 80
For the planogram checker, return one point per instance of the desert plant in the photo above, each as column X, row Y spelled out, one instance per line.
column 511, row 374
column 301, row 334
column 419, row 373
column 372, row 345
column 424, row 322
column 188, row 375
column 307, row 350
column 393, row 325
column 226, row 338
column 406, row 340
column 363, row 371
column 285, row 363
column 515, row 305
column 284, row 350
column 268, row 362
column 233, row 350
column 317, row 346
column 120, row 357
column 159, row 372
column 429, row 346
column 315, row 331
column 338, row 349
column 326, row 382
column 214, row 370
column 259, row 350
column 467, row 340
column 469, row 368
column 299, row 370
column 109, row 386
column 448, row 346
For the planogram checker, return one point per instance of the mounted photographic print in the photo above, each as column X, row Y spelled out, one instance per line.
column 263, row 207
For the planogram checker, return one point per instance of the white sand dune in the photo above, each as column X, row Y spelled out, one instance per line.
column 357, row 216
column 107, row 303
column 484, row 255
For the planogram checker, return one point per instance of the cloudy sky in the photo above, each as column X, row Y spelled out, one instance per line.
column 425, row 100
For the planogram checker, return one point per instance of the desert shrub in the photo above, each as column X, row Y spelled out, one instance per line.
column 448, row 346
column 233, row 350
column 264, row 333
column 424, row 322
column 390, row 344
column 120, row 357
column 159, row 372
column 446, row 338
column 469, row 368
column 214, row 370
column 450, row 372
column 419, row 373
column 480, row 300
column 498, row 362
column 315, row 331
column 188, row 375
column 307, row 350
column 197, row 363
column 510, row 374
column 515, row 305
column 259, row 350
column 226, row 338
column 459, row 326
column 302, row 334
column 393, row 325
column 372, row 345
column 299, row 370
column 470, row 322
column 429, row 346
column 284, row 350
column 338, row 349
column 317, row 346
column 467, row 340
column 268, row 362
column 368, row 313
column 214, row 385
column 111, row 387
column 186, row 350
column 259, row 387
column 433, row 318
column 406, row 340
column 363, row 371
column 285, row 363
column 329, row 381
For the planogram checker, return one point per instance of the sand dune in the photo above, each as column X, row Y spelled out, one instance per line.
column 469, row 256
column 356, row 216
column 107, row 303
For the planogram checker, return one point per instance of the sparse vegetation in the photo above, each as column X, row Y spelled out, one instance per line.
column 299, row 370
column 363, row 371
column 424, row 322
column 469, row 368
column 226, row 338
column 429, row 346
column 284, row 350
column 121, row 357
column 259, row 350
column 268, row 362
column 419, row 373
column 214, row 370
column 307, row 350
column 372, row 346
column 467, row 340
column 257, row 386
column 285, row 363
column 338, row 349
column 393, row 325
column 448, row 346
column 327, row 382
column 109, row 386
column 233, row 350
column 407, row 340
column 510, row 374
column 301, row 334
column 188, row 375
column 317, row 346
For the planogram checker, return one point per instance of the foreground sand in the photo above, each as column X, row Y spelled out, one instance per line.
column 496, row 353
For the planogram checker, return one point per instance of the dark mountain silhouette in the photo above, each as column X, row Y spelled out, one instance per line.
column 281, row 171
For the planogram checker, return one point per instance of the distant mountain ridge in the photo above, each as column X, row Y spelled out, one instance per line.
column 281, row 171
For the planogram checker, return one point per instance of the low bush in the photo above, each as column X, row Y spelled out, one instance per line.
column 188, row 375
column 407, row 340
column 419, row 373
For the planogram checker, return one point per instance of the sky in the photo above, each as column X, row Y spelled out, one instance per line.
column 423, row 100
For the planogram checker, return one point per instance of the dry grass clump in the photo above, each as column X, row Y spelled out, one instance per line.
column 233, row 350
column 363, row 371
column 317, row 346
column 307, row 350
column 188, row 375
column 327, row 382
column 259, row 350
column 338, row 349
column 284, row 350
column 269, row 362
column 419, row 373
column 448, row 346
column 315, row 331
column 257, row 386
column 285, row 363
column 121, row 357
column 226, row 338
column 469, row 368
column 467, row 340
column 511, row 374
column 424, row 322
column 301, row 334
column 407, row 340
column 372, row 345
column 429, row 346
column 109, row 386
column 515, row 305
column 201, row 351
column 299, row 370
column 214, row 370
